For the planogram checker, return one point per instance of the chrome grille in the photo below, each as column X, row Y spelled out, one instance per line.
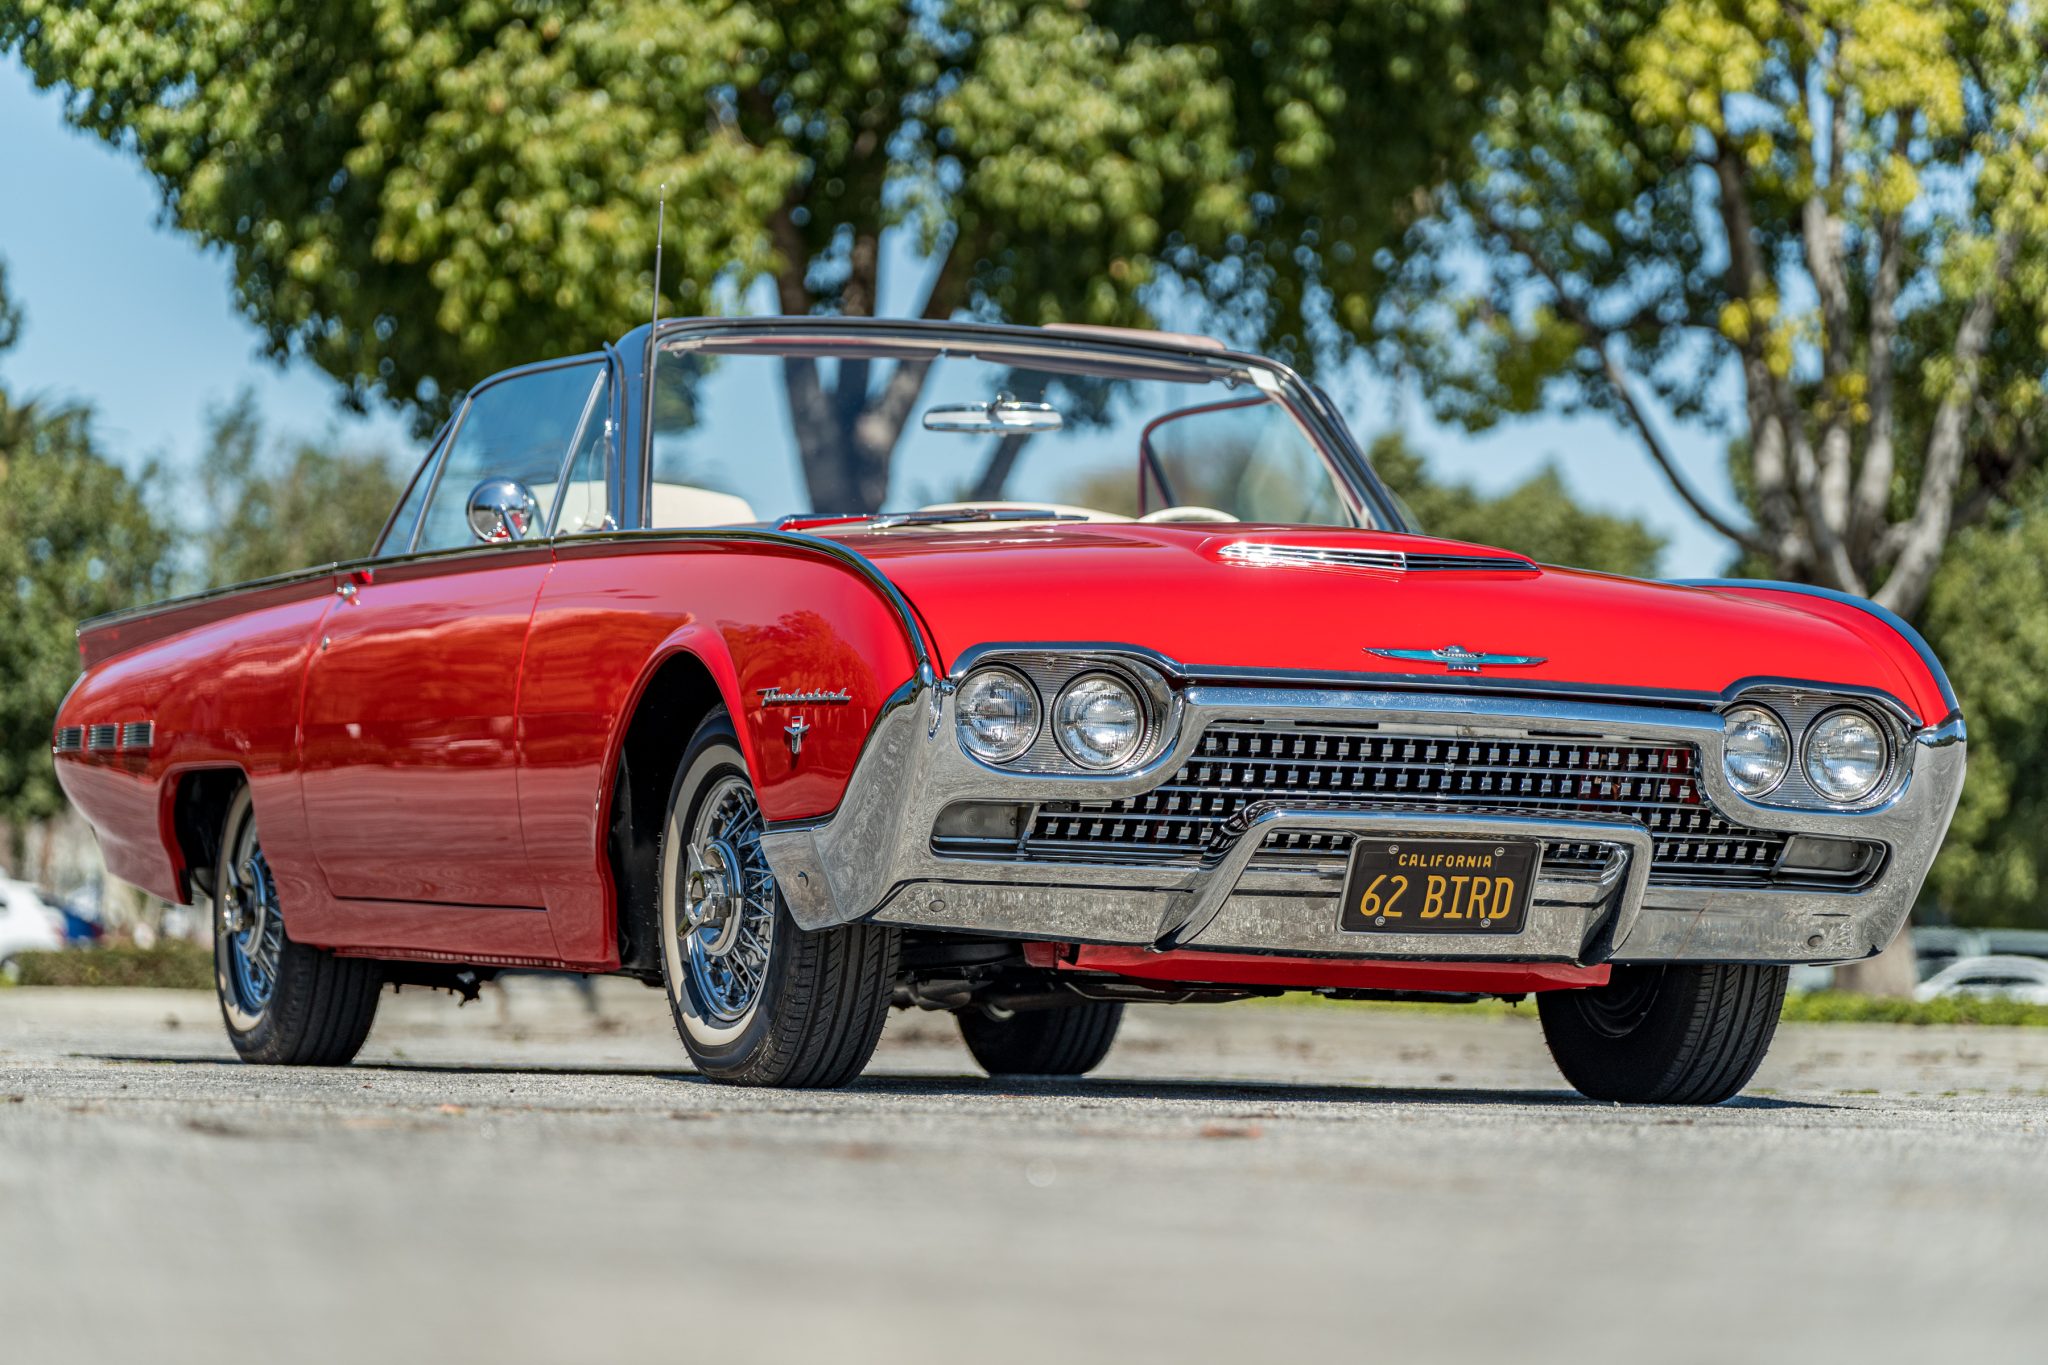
column 1654, row 785
column 102, row 737
column 69, row 740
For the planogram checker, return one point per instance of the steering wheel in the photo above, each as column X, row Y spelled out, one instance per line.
column 1188, row 513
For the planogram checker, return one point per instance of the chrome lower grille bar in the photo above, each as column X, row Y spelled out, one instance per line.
column 1196, row 908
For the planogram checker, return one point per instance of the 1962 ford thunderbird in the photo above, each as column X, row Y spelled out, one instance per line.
column 811, row 667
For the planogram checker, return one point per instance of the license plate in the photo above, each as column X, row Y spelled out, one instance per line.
column 1438, row 886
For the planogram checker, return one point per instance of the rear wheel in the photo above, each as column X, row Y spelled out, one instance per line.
column 1688, row 1033
column 757, row 1000
column 1069, row 1041
column 284, row 1003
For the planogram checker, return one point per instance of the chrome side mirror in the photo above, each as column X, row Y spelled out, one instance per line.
column 501, row 510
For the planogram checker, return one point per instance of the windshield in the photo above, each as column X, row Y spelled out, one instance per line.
column 761, row 429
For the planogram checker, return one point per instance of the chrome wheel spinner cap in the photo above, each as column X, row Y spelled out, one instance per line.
column 714, row 892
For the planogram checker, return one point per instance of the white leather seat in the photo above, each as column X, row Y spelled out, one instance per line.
column 679, row 504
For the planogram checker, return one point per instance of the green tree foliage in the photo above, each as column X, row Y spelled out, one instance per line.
column 273, row 511
column 1840, row 205
column 415, row 195
column 1537, row 518
column 1987, row 617
column 77, row 538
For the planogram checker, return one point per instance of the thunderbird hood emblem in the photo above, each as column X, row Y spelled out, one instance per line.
column 1458, row 659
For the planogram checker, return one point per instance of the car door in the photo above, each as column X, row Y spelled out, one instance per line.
column 408, row 749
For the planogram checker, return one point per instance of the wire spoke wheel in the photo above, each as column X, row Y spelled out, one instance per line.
column 726, row 928
column 249, row 927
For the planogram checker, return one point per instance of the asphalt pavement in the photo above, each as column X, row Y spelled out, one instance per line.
column 537, row 1177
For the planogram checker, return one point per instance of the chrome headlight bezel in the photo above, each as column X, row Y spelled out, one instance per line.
column 963, row 731
column 1065, row 725
column 1051, row 669
column 1771, row 722
column 1811, row 764
column 1801, row 710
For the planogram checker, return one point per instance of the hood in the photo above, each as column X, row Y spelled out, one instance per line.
column 1315, row 600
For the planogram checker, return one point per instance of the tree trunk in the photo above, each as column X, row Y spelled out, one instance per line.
column 1001, row 460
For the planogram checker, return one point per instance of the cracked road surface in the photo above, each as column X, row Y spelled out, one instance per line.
column 536, row 1177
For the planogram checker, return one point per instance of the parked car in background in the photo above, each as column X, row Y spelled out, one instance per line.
column 1937, row 946
column 81, row 927
column 1989, row 978
column 26, row 924
column 806, row 667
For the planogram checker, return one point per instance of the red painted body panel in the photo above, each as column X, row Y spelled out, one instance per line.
column 408, row 751
column 610, row 616
column 454, row 744
column 1164, row 587
column 222, row 695
column 1246, row 969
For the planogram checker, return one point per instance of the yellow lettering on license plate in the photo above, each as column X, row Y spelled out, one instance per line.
column 1438, row 886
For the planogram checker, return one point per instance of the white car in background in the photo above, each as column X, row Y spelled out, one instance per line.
column 1989, row 978
column 26, row 924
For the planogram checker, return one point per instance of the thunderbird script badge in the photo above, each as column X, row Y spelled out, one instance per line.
column 1459, row 659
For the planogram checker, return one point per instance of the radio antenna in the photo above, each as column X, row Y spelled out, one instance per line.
column 660, row 221
column 653, row 326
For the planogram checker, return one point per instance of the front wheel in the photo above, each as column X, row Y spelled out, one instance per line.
column 285, row 1003
column 757, row 1000
column 1687, row 1033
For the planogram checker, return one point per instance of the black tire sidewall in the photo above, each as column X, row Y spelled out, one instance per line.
column 1071, row 1040
column 1674, row 1053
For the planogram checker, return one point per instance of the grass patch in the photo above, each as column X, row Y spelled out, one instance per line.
column 1820, row 1007
column 1839, row 1007
column 172, row 964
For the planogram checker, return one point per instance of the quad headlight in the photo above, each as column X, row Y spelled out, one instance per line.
column 997, row 714
column 1099, row 721
column 1100, row 715
column 1755, row 749
column 1847, row 755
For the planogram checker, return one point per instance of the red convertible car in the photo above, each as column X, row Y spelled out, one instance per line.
column 808, row 668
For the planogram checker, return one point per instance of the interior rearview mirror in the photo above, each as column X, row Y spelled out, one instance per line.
column 1001, row 415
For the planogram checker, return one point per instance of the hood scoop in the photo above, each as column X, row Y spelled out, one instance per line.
column 1267, row 555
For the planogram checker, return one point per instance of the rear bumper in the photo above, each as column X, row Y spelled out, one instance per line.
column 873, row 859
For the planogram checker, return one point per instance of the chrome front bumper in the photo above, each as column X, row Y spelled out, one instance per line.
column 873, row 859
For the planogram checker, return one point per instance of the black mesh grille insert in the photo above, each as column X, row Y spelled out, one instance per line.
column 1654, row 785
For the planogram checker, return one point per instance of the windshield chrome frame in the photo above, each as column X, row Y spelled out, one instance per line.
column 1325, row 427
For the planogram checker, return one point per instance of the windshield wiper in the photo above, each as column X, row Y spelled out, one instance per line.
column 938, row 516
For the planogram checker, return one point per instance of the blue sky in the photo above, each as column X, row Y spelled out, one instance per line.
column 140, row 322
